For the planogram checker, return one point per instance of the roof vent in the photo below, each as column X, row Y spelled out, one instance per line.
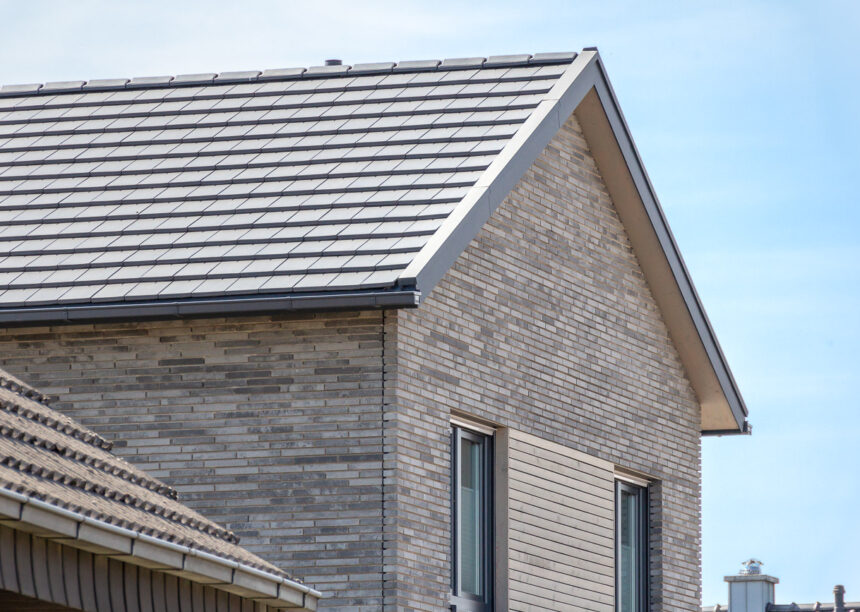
column 752, row 567
column 333, row 62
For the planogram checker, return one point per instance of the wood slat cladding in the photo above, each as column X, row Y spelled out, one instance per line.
column 38, row 575
column 560, row 527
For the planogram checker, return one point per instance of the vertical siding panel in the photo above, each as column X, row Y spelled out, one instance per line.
column 171, row 593
column 144, row 590
column 71, row 577
column 54, row 560
column 24, row 563
column 41, row 581
column 159, row 592
column 7, row 558
column 102, row 580
column 87, row 581
column 131, row 590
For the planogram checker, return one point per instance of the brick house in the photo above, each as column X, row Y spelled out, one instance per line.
column 418, row 332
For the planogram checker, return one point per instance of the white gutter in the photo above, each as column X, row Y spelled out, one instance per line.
column 97, row 536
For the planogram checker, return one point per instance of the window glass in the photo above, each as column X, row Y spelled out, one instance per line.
column 631, row 548
column 472, row 521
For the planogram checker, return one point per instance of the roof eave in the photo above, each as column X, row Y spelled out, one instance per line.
column 74, row 529
column 585, row 89
column 254, row 304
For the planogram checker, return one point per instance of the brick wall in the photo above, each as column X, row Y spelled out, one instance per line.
column 545, row 325
column 268, row 425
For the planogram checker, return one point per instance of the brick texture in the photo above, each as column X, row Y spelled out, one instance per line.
column 544, row 325
column 269, row 425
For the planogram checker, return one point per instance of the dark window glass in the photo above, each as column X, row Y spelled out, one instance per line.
column 472, row 528
column 631, row 537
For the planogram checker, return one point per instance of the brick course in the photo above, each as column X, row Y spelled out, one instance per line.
column 268, row 425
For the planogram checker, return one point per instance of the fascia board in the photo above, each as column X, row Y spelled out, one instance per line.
column 597, row 75
column 208, row 307
column 100, row 537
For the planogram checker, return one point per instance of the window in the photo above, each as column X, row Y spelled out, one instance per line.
column 631, row 542
column 472, row 521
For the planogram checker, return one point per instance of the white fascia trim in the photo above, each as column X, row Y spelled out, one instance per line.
column 62, row 524
column 625, row 476
column 481, row 428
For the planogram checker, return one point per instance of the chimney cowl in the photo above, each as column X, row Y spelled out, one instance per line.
column 752, row 567
column 334, row 62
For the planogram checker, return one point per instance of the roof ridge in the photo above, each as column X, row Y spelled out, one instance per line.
column 106, row 491
column 286, row 74
column 68, row 427
column 122, row 469
column 19, row 387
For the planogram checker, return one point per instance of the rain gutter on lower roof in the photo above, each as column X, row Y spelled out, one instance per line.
column 341, row 300
column 74, row 529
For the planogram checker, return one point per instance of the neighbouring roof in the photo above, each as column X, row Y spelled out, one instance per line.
column 327, row 187
column 47, row 456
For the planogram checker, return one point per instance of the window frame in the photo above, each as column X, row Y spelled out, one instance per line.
column 464, row 602
column 642, row 558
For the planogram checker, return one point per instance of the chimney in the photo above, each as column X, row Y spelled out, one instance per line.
column 839, row 598
column 333, row 62
column 750, row 590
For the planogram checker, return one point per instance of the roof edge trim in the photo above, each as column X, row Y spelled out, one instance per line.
column 660, row 225
column 50, row 521
column 405, row 298
column 585, row 74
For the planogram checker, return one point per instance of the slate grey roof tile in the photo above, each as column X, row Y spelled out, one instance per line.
column 357, row 168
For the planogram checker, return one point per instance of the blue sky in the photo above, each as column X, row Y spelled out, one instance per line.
column 746, row 115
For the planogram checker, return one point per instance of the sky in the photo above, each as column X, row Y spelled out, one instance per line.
column 746, row 117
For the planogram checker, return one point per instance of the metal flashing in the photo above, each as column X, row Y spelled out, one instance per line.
column 406, row 298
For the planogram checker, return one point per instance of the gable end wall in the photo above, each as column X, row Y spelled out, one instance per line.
column 544, row 325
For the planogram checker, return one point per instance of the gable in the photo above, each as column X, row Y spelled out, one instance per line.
column 333, row 187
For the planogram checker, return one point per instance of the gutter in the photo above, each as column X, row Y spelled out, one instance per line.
column 341, row 300
column 75, row 529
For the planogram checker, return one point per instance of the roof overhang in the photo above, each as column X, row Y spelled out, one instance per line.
column 51, row 522
column 584, row 91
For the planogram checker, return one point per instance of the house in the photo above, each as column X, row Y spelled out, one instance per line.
column 418, row 332
column 81, row 529
column 752, row 591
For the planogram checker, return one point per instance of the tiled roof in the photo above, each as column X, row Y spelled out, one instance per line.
column 329, row 179
column 50, row 457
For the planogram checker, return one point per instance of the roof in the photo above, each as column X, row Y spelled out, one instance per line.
column 328, row 187
column 324, row 180
column 51, row 462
